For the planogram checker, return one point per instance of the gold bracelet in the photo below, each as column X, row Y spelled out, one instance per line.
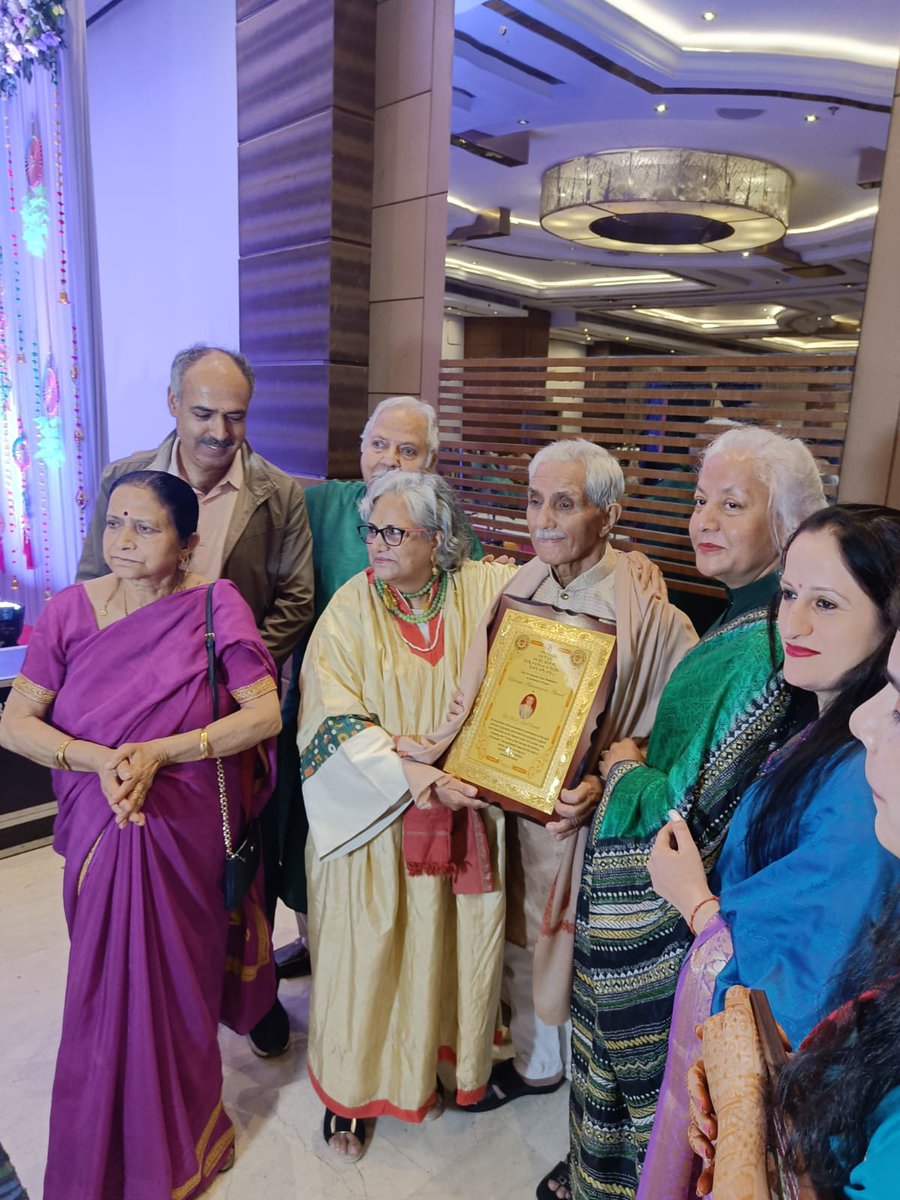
column 62, row 762
column 204, row 743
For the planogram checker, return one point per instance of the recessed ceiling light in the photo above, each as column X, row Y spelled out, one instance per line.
column 661, row 108
column 745, row 254
column 523, row 121
column 810, row 117
column 709, row 15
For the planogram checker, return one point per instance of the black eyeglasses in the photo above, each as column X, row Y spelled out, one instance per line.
column 391, row 535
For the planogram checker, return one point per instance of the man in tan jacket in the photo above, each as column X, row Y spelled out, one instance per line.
column 253, row 530
column 253, row 524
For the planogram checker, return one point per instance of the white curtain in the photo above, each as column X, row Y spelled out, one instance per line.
column 52, row 414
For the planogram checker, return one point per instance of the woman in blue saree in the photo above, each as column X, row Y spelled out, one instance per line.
column 801, row 876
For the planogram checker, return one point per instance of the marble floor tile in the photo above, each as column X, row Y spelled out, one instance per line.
column 278, row 1118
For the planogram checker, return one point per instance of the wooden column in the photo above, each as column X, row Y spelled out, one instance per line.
column 871, row 467
column 306, row 89
column 414, row 59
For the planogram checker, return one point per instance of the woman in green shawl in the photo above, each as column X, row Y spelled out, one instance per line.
column 720, row 714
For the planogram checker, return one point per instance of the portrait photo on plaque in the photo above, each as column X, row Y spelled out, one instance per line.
column 548, row 677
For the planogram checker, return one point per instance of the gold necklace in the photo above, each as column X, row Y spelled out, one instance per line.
column 104, row 611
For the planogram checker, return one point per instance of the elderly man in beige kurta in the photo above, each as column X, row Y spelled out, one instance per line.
column 573, row 504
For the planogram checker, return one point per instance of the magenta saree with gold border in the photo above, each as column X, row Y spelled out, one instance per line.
column 155, row 962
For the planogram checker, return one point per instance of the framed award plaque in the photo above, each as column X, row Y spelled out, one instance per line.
column 548, row 677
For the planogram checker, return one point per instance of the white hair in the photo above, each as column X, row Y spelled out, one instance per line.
column 784, row 466
column 432, row 440
column 432, row 505
column 604, row 483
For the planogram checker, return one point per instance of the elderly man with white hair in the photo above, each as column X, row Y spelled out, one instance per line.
column 400, row 435
column 574, row 497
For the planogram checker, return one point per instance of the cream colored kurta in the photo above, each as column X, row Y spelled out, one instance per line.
column 534, row 857
column 405, row 972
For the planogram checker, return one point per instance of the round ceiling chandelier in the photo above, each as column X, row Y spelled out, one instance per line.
column 666, row 201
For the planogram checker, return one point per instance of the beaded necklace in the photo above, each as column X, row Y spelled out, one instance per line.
column 391, row 598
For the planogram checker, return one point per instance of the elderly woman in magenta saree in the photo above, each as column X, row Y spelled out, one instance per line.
column 156, row 961
column 144, row 904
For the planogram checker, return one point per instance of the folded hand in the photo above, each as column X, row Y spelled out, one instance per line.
column 134, row 765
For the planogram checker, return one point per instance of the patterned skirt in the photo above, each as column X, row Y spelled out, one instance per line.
column 629, row 947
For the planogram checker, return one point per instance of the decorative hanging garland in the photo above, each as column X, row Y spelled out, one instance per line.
column 9, row 519
column 81, row 499
column 13, row 241
column 35, row 209
column 31, row 35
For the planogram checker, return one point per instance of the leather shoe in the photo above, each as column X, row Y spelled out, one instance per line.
column 272, row 1035
column 292, row 961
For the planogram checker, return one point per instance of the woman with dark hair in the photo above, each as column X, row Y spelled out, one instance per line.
column 840, row 1094
column 114, row 695
column 801, row 875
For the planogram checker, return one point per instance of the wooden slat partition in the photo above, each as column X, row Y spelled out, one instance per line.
column 652, row 412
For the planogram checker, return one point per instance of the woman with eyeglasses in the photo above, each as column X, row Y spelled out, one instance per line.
column 406, row 912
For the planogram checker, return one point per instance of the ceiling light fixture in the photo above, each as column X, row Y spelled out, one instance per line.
column 634, row 280
column 810, row 117
column 681, row 318
column 797, row 41
column 491, row 212
column 666, row 201
column 861, row 214
column 661, row 108
column 523, row 121
column 813, row 343
column 709, row 16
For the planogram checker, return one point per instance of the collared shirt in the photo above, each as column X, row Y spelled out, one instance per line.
column 592, row 593
column 216, row 509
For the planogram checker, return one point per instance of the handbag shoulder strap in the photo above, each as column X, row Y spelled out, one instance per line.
column 211, row 652
column 247, row 756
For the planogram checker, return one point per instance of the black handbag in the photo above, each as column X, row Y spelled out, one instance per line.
column 241, row 864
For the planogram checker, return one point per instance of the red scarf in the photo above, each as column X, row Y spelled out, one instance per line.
column 439, row 841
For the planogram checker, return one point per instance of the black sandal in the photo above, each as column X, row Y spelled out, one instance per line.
column 334, row 1124
column 507, row 1079
column 560, row 1176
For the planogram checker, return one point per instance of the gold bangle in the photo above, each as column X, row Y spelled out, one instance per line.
column 62, row 763
column 204, row 743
